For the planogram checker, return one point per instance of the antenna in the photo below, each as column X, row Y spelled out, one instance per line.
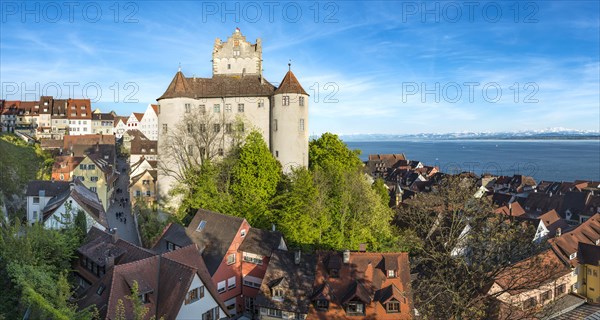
column 179, row 67
column 290, row 65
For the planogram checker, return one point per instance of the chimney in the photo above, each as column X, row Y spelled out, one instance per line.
column 346, row 256
column 510, row 209
column 558, row 232
column 115, row 236
column 362, row 247
column 110, row 262
column 297, row 256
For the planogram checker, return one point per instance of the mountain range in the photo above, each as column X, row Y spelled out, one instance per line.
column 545, row 134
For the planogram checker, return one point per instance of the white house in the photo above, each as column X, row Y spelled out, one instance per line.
column 64, row 206
column 149, row 123
column 120, row 127
column 134, row 120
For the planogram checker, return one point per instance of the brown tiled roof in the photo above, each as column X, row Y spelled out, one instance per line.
column 215, row 238
column 574, row 202
column 531, row 273
column 138, row 116
column 299, row 281
column 144, row 147
column 88, row 140
column 512, row 209
column 217, row 86
column 290, row 84
column 261, row 242
column 166, row 278
column 79, row 109
column 552, row 221
column 173, row 233
column 155, row 108
column 363, row 278
column 567, row 243
column 65, row 164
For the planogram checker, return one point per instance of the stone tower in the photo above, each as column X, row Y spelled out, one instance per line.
column 289, row 123
column 236, row 56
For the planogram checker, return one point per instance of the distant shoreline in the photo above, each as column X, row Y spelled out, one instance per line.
column 488, row 138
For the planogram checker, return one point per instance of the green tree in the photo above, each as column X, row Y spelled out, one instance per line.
column 254, row 180
column 329, row 152
column 81, row 224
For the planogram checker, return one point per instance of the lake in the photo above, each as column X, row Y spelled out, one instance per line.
column 555, row 160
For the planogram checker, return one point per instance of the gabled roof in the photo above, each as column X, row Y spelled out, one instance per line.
column 574, row 202
column 173, row 233
column 290, row 84
column 85, row 198
column 215, row 237
column 165, row 278
column 531, row 273
column 298, row 281
column 361, row 278
column 155, row 108
column 138, row 115
column 217, row 86
column 512, row 209
column 99, row 246
column 553, row 222
column 51, row 188
column 261, row 242
column 144, row 147
column 567, row 243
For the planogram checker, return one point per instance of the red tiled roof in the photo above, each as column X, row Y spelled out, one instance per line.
column 290, row 84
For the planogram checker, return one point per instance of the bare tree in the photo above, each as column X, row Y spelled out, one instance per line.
column 200, row 136
column 464, row 248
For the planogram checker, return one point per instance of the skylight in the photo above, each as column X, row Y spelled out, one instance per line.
column 201, row 225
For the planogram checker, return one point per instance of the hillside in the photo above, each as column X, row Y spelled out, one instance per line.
column 19, row 163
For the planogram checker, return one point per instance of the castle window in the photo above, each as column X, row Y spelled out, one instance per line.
column 202, row 109
column 261, row 104
column 301, row 101
column 220, row 151
column 164, row 128
column 202, row 127
column 217, row 108
column 286, row 100
column 188, row 108
column 228, row 107
column 241, row 127
column 275, row 125
column 228, row 66
column 236, row 52
column 216, row 128
column 190, row 148
column 228, row 128
column 240, row 107
column 277, row 153
column 189, row 128
column 301, row 126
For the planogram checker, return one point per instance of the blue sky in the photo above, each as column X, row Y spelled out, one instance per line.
column 366, row 65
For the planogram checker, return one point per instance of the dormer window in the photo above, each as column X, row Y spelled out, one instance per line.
column 322, row 304
column 278, row 294
column 392, row 306
column 243, row 233
column 355, row 308
column 201, row 225
column 144, row 297
column 391, row 273
column 573, row 256
column 334, row 273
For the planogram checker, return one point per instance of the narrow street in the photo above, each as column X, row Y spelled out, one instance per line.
column 125, row 224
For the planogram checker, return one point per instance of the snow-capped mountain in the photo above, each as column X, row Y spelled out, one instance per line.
column 549, row 133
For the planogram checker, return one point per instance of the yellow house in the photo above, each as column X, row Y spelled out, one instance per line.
column 97, row 175
column 143, row 187
column 588, row 277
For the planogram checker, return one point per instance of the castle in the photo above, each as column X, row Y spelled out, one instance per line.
column 238, row 90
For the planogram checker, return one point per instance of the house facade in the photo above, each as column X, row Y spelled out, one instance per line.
column 149, row 123
column 103, row 123
column 97, row 174
column 237, row 92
